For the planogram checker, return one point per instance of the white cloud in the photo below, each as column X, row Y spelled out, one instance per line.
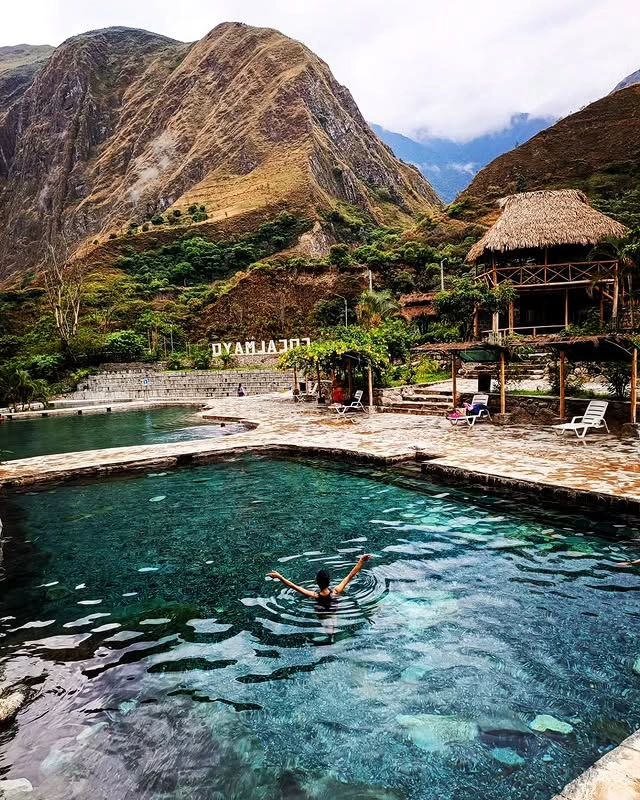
column 449, row 69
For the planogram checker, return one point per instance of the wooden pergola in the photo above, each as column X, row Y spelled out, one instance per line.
column 473, row 353
column 597, row 348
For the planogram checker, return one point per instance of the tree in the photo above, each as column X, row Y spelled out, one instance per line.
column 374, row 308
column 339, row 255
column 63, row 280
column 17, row 386
column 125, row 345
column 625, row 251
column 457, row 304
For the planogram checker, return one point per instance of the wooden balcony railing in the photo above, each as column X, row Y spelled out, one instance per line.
column 531, row 275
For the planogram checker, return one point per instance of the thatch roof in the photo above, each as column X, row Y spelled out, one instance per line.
column 418, row 304
column 534, row 220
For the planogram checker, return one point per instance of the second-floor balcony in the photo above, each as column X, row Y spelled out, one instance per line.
column 532, row 276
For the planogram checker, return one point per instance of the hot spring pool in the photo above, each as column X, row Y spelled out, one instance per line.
column 23, row 438
column 164, row 665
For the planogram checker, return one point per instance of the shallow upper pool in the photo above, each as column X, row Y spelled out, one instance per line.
column 166, row 666
column 23, row 438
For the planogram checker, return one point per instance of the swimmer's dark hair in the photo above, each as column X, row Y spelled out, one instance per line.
column 323, row 579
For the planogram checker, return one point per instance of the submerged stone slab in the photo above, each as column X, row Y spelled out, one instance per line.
column 434, row 732
column 544, row 723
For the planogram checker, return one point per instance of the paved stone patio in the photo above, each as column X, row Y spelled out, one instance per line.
column 605, row 466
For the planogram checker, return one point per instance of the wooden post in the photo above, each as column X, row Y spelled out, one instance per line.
column 295, row 380
column 512, row 314
column 454, row 377
column 561, row 380
column 634, row 384
column 601, row 306
column 566, row 308
column 616, row 291
column 370, row 376
column 503, row 390
column 350, row 372
column 476, row 323
column 319, row 381
column 495, row 326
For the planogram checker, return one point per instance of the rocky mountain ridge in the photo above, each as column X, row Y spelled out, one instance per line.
column 628, row 81
column 19, row 64
column 120, row 124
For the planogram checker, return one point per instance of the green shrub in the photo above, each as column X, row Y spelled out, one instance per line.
column 199, row 216
column 339, row 255
column 157, row 220
column 175, row 361
column 126, row 345
column 200, row 357
column 145, row 227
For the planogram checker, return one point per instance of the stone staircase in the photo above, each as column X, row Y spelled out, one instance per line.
column 419, row 400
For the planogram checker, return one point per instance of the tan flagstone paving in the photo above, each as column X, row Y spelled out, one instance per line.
column 605, row 465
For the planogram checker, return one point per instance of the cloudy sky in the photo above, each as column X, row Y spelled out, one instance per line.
column 420, row 67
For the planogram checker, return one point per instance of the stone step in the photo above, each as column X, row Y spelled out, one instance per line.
column 427, row 390
column 436, row 404
column 409, row 408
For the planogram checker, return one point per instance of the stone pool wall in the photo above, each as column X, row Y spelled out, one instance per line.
column 147, row 382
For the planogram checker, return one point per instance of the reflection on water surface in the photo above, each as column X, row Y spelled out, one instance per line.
column 24, row 438
column 164, row 665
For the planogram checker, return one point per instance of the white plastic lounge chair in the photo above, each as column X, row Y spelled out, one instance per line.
column 471, row 419
column 354, row 405
column 593, row 417
column 311, row 392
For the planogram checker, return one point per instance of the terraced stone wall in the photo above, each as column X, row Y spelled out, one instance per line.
column 146, row 382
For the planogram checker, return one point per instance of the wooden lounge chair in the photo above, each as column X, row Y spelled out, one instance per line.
column 593, row 418
column 354, row 405
column 471, row 419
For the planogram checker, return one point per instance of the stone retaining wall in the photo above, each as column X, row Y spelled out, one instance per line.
column 146, row 382
column 541, row 410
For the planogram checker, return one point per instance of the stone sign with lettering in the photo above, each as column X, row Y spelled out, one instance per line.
column 270, row 347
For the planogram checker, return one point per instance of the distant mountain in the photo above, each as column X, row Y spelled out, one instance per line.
column 596, row 149
column 628, row 81
column 450, row 166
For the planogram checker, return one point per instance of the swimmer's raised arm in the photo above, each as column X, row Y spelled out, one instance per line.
column 628, row 563
column 292, row 585
column 345, row 581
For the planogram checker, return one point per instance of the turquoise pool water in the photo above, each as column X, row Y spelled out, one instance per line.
column 38, row 437
column 164, row 665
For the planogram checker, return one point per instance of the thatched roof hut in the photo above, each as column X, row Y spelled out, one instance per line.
column 535, row 220
column 418, row 304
